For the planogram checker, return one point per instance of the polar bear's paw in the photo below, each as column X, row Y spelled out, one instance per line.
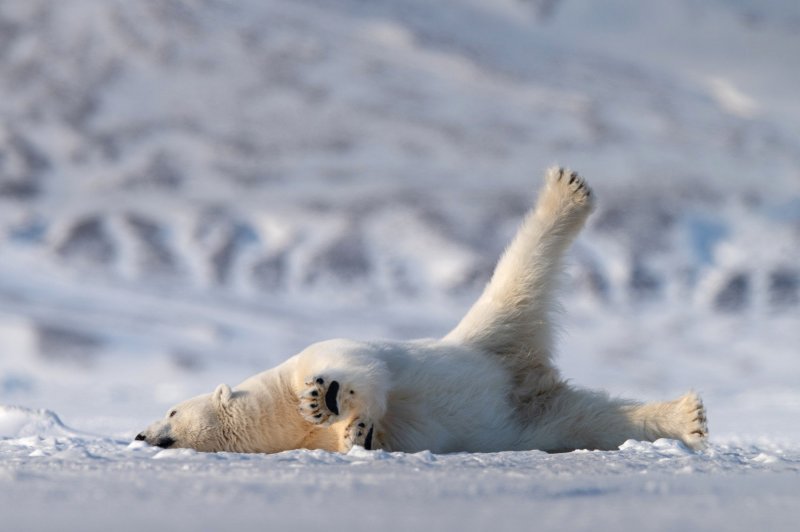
column 320, row 402
column 695, row 424
column 571, row 185
column 359, row 432
column 566, row 192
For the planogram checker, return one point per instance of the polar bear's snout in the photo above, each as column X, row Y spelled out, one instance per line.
column 163, row 441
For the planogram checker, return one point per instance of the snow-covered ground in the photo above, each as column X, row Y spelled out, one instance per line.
column 191, row 191
column 59, row 480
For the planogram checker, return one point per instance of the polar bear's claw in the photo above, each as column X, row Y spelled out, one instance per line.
column 319, row 402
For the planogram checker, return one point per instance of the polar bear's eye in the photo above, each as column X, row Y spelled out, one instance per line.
column 173, row 413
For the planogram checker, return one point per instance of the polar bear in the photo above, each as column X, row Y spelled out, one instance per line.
column 489, row 385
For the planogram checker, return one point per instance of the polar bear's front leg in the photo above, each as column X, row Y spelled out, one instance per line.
column 342, row 381
column 324, row 400
column 359, row 432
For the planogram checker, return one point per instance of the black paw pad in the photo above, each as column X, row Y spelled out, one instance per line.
column 368, row 440
column 330, row 397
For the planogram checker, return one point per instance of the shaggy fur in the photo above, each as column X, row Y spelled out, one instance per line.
column 488, row 385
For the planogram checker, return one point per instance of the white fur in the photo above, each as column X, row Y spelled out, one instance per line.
column 488, row 385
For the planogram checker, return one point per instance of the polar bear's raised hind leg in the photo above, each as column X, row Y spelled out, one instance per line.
column 512, row 318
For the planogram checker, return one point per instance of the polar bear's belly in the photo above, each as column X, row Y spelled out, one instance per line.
column 450, row 404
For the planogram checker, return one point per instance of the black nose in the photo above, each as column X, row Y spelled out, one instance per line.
column 166, row 443
column 140, row 436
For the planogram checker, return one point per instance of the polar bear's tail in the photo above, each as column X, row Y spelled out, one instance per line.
column 512, row 318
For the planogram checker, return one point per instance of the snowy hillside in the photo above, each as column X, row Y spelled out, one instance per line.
column 193, row 190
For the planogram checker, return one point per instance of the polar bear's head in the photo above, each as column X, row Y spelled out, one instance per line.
column 206, row 423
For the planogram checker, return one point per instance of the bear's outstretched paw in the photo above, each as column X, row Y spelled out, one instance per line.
column 319, row 403
column 695, row 424
column 571, row 188
column 359, row 432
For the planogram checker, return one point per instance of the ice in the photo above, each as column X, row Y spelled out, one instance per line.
column 190, row 192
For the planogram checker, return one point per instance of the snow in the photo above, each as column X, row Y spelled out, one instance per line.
column 190, row 192
column 96, row 483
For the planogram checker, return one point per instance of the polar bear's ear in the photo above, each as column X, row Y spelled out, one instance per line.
column 222, row 395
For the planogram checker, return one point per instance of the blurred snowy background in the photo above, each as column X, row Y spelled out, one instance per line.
column 193, row 190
